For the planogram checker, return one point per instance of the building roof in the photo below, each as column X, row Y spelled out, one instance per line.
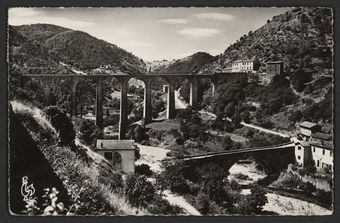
column 323, row 136
column 324, row 145
column 303, row 143
column 307, row 125
column 240, row 61
column 109, row 144
column 274, row 62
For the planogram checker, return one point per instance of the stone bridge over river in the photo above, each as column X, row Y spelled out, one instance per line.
column 271, row 158
column 123, row 78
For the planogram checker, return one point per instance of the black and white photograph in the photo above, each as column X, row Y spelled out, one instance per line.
column 170, row 111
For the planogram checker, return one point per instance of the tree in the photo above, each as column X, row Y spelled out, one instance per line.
column 139, row 190
column 89, row 132
column 137, row 133
column 62, row 124
column 227, row 142
column 143, row 169
column 203, row 203
column 211, row 178
column 253, row 203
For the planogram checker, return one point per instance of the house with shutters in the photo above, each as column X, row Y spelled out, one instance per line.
column 119, row 153
column 314, row 147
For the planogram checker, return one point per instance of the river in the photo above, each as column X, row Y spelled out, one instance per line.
column 281, row 205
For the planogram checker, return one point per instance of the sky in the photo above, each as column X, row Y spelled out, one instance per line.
column 155, row 33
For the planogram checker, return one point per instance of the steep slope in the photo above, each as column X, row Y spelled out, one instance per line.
column 79, row 49
column 86, row 182
column 301, row 37
column 158, row 65
column 190, row 64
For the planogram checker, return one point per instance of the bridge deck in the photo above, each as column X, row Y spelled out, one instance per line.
column 135, row 75
column 239, row 151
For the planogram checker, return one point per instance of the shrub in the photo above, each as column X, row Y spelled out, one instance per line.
column 253, row 203
column 137, row 133
column 143, row 169
column 111, row 120
column 139, row 190
column 159, row 206
column 203, row 203
column 62, row 124
column 324, row 197
column 89, row 132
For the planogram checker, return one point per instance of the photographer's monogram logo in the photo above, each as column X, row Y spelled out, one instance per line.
column 27, row 191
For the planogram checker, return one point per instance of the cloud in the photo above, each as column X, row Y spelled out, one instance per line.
column 174, row 21
column 22, row 12
column 23, row 16
column 199, row 32
column 215, row 16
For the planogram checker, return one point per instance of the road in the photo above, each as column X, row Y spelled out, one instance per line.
column 213, row 116
column 264, row 130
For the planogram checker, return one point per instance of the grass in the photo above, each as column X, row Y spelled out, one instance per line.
column 88, row 181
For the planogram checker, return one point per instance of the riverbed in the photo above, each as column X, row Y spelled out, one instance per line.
column 281, row 205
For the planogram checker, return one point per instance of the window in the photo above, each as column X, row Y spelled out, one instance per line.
column 313, row 149
column 331, row 153
column 101, row 145
column 318, row 163
column 108, row 155
column 299, row 157
column 323, row 152
column 299, row 147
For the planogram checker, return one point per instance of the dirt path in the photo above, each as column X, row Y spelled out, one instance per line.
column 181, row 202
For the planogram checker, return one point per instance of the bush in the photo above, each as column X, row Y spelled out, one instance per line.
column 89, row 132
column 143, row 169
column 324, row 197
column 137, row 133
column 253, row 203
column 160, row 206
column 139, row 190
column 62, row 124
column 203, row 203
column 111, row 120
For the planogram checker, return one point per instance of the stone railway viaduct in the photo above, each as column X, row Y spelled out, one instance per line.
column 123, row 78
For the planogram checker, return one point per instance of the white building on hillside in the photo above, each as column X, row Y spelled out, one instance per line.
column 119, row 153
column 245, row 66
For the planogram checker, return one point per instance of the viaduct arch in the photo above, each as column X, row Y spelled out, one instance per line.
column 123, row 79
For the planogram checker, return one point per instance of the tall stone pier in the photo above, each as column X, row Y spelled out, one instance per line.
column 194, row 82
column 170, row 112
column 74, row 85
column 123, row 108
column 47, row 83
column 147, row 113
column 99, row 103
